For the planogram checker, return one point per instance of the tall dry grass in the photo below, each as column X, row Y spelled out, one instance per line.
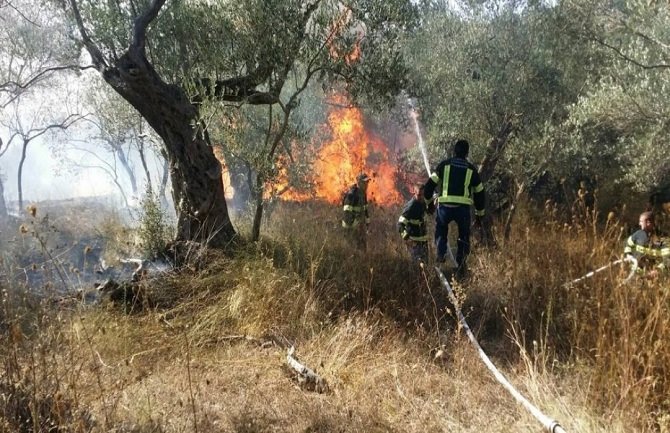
column 609, row 332
column 376, row 327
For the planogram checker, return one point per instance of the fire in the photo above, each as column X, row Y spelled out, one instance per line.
column 338, row 29
column 225, row 174
column 281, row 188
column 352, row 150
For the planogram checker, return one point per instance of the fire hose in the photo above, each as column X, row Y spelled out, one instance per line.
column 630, row 259
column 549, row 424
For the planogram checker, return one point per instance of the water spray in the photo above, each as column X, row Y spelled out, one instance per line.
column 415, row 117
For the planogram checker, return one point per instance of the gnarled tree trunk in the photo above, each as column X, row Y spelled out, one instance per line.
column 200, row 204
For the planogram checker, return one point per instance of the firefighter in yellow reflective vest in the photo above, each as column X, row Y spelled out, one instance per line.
column 412, row 226
column 355, row 218
column 649, row 253
column 459, row 187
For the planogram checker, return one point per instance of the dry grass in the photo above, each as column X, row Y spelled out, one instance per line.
column 213, row 358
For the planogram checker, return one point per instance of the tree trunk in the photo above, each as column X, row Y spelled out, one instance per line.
column 197, row 186
column 163, row 185
column 129, row 170
column 494, row 152
column 520, row 189
column 258, row 214
column 20, row 173
column 258, row 217
column 3, row 204
column 147, row 174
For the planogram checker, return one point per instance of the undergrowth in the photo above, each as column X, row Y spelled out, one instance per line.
column 376, row 326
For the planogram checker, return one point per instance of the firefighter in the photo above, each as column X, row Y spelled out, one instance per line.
column 355, row 218
column 644, row 246
column 412, row 226
column 459, row 186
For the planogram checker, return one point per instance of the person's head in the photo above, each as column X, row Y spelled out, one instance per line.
column 647, row 221
column 418, row 191
column 362, row 180
column 461, row 148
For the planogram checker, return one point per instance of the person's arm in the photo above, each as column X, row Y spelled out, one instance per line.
column 478, row 194
column 402, row 221
column 433, row 181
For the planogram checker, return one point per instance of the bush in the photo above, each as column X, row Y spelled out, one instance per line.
column 154, row 231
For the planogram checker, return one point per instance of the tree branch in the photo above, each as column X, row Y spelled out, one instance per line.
column 66, row 123
column 91, row 47
column 21, row 14
column 142, row 22
column 12, row 86
column 627, row 58
column 645, row 36
column 243, row 88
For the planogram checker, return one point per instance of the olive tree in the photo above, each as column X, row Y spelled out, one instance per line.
column 173, row 60
column 501, row 74
column 34, row 53
column 627, row 107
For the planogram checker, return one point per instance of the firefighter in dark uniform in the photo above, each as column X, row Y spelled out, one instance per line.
column 355, row 217
column 459, row 186
column 412, row 226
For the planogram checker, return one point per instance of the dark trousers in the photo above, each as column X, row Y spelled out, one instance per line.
column 418, row 250
column 445, row 215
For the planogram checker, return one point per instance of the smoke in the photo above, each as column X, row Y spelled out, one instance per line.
column 44, row 178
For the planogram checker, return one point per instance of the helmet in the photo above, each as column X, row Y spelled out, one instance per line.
column 363, row 178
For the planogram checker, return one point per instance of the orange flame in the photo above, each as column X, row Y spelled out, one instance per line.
column 281, row 188
column 353, row 150
column 225, row 174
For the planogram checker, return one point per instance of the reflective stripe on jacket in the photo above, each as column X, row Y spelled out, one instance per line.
column 411, row 224
column 354, row 208
column 459, row 184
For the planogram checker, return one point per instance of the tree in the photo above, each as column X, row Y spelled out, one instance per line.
column 3, row 204
column 123, row 138
column 499, row 73
column 234, row 52
column 264, row 142
column 627, row 106
column 25, row 127
column 34, row 50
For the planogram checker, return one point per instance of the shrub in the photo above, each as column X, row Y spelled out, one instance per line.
column 154, row 231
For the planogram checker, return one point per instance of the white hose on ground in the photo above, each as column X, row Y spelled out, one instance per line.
column 549, row 424
column 630, row 259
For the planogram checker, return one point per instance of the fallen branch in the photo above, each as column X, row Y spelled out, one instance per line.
column 306, row 376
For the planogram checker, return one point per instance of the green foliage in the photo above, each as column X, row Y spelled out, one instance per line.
column 31, row 42
column 629, row 101
column 498, row 62
column 154, row 231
